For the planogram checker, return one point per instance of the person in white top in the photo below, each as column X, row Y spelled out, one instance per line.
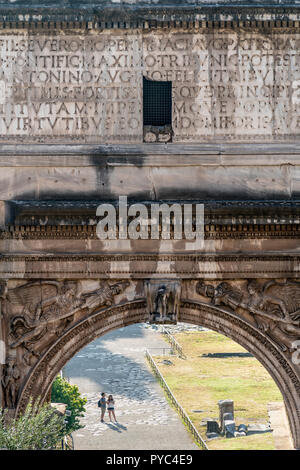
column 111, row 408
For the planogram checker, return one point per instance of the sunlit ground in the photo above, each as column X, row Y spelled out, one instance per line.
column 200, row 382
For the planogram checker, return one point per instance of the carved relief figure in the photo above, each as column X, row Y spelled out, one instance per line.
column 163, row 300
column 38, row 300
column 3, row 289
column 227, row 295
column 276, row 309
column 275, row 306
column 3, row 292
column 9, row 382
column 223, row 294
column 43, row 306
column 43, row 303
column 280, row 299
column 104, row 296
column 207, row 290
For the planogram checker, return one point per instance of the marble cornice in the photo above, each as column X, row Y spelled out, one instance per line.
column 148, row 15
column 212, row 232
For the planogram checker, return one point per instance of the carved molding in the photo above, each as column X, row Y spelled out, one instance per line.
column 229, row 20
column 212, row 231
column 199, row 257
column 198, row 265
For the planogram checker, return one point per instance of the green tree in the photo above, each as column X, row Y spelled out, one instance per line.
column 38, row 428
column 63, row 392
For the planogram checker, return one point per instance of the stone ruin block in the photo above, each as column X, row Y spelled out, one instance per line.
column 229, row 425
column 212, row 427
column 225, row 406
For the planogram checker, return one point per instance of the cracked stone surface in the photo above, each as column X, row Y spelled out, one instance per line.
column 115, row 364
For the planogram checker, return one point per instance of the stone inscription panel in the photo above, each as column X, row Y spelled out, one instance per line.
column 87, row 87
column 230, row 86
column 70, row 88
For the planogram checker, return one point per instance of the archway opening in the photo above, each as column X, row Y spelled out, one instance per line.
column 115, row 363
column 215, row 318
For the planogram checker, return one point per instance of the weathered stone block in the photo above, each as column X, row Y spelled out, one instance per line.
column 212, row 427
column 226, row 411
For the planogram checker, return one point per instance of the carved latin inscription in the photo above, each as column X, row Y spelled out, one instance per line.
column 74, row 86
column 84, row 87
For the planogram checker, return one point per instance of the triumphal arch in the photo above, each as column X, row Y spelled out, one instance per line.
column 160, row 102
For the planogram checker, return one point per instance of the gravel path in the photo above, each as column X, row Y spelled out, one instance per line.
column 115, row 364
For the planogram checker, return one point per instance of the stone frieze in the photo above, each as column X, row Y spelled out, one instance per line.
column 274, row 306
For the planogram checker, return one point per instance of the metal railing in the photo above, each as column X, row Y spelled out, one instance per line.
column 173, row 342
column 198, row 439
column 162, row 351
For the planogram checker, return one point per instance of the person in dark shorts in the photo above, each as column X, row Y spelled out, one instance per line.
column 102, row 405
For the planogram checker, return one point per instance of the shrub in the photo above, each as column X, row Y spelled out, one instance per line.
column 63, row 392
column 38, row 428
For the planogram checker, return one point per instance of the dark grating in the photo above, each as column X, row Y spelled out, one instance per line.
column 157, row 103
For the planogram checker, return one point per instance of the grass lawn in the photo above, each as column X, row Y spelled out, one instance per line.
column 200, row 382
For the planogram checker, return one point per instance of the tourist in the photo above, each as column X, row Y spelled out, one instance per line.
column 102, row 405
column 111, row 408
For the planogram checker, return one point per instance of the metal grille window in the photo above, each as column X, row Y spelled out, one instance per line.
column 157, row 103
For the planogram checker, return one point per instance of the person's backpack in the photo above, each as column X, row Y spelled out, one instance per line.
column 99, row 403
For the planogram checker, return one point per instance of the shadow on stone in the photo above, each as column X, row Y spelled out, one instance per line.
column 113, row 427
column 225, row 355
column 115, row 374
column 121, row 426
